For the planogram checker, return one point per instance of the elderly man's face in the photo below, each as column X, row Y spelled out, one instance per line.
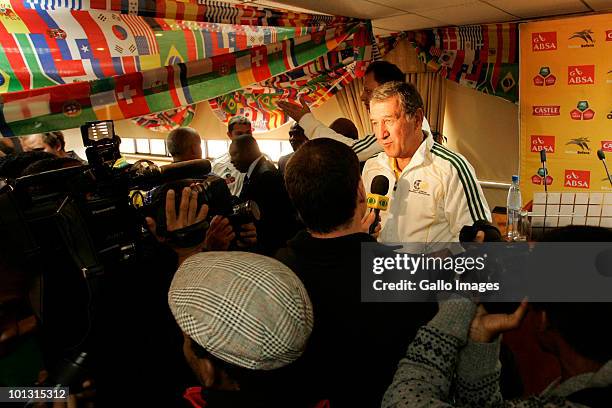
column 396, row 132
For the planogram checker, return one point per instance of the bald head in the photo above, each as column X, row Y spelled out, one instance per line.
column 184, row 144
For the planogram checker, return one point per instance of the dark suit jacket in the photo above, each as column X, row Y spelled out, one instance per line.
column 278, row 220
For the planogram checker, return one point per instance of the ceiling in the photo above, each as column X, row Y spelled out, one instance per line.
column 398, row 15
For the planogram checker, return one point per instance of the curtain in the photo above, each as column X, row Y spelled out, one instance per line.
column 349, row 100
column 433, row 91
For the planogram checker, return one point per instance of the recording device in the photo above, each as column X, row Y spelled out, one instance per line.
column 102, row 145
column 212, row 191
column 602, row 156
column 75, row 230
column 377, row 199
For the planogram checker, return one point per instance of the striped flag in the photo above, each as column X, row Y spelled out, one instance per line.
column 27, row 108
column 144, row 36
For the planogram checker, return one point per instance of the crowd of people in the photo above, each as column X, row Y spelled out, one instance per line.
column 269, row 313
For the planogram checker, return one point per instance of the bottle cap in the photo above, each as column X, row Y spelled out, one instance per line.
column 515, row 178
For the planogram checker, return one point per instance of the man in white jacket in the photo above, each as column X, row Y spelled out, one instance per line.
column 377, row 73
column 433, row 191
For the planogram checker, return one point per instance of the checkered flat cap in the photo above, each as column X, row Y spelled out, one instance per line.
column 243, row 308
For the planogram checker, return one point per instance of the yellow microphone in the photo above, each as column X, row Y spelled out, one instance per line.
column 377, row 199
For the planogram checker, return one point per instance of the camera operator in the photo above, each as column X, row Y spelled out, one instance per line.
column 184, row 144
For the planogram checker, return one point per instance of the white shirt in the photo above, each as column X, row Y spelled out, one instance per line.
column 364, row 148
column 222, row 166
column 252, row 166
column 435, row 195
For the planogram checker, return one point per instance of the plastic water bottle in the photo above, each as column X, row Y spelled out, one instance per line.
column 514, row 205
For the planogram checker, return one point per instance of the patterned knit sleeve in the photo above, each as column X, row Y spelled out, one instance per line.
column 425, row 375
column 478, row 373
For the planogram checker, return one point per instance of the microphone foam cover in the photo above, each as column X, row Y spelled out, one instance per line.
column 380, row 185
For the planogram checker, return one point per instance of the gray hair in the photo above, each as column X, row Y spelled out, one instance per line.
column 179, row 141
column 409, row 98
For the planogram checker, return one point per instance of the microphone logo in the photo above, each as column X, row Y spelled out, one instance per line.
column 377, row 202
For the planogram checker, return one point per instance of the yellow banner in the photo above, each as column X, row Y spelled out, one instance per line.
column 566, row 103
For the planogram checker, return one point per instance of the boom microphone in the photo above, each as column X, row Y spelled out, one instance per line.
column 602, row 156
column 543, row 161
column 377, row 199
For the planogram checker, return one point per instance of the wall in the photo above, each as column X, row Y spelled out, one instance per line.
column 485, row 129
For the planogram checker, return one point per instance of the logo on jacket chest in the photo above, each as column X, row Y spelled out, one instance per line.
column 420, row 187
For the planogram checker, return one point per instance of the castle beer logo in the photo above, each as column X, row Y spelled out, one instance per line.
column 577, row 178
column 606, row 145
column 581, row 75
column 546, row 110
column 544, row 41
column 544, row 77
column 582, row 111
column 582, row 145
column 584, row 39
column 609, row 35
column 541, row 142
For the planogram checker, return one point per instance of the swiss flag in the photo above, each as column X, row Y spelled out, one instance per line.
column 129, row 95
column 259, row 63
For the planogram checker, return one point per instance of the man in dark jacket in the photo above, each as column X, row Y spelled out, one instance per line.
column 264, row 184
column 353, row 344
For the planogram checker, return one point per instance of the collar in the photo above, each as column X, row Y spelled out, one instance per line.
column 418, row 158
column 252, row 166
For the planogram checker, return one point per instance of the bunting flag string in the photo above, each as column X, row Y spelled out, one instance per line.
column 482, row 57
column 317, row 81
column 67, row 62
column 139, row 93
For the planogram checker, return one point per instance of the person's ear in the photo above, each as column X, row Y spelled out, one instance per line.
column 207, row 372
column 418, row 119
column 361, row 193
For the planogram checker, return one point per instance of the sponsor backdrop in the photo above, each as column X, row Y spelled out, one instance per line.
column 566, row 103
